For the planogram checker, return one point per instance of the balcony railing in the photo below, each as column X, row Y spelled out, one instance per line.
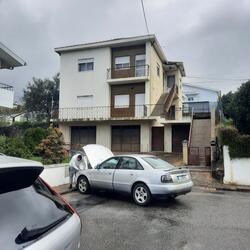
column 106, row 112
column 132, row 71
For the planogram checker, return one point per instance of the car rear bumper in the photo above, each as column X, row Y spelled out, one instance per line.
column 171, row 189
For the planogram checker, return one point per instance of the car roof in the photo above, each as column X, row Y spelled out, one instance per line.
column 135, row 155
column 8, row 162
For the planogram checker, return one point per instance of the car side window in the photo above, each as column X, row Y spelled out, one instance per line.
column 130, row 164
column 109, row 164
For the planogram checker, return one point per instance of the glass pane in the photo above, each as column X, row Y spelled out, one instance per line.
column 121, row 101
column 109, row 164
column 128, row 163
column 158, row 163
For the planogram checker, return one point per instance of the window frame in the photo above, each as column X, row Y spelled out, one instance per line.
column 122, row 68
column 85, row 61
column 138, row 164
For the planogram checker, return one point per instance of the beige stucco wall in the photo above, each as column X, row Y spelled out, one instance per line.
column 103, row 135
column 156, row 82
column 74, row 83
column 168, row 138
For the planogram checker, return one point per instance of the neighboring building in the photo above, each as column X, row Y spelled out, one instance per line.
column 8, row 60
column 123, row 94
column 6, row 95
column 200, row 98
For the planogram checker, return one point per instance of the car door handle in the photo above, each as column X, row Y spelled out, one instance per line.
column 110, row 173
column 131, row 174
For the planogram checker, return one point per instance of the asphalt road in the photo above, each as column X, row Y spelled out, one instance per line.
column 199, row 220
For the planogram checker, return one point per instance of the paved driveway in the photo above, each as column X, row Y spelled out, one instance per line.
column 199, row 220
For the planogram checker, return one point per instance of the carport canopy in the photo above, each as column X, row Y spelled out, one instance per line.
column 8, row 59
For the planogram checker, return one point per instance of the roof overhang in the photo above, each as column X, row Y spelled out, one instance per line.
column 8, row 59
column 115, row 43
column 175, row 66
column 201, row 87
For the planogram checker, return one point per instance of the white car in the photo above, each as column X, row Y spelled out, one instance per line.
column 142, row 176
column 32, row 215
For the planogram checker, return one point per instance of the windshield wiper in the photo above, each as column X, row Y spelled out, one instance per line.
column 28, row 234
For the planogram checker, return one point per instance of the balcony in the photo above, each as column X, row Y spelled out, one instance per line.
column 125, row 75
column 100, row 113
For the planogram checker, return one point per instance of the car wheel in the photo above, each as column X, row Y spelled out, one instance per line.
column 83, row 185
column 141, row 194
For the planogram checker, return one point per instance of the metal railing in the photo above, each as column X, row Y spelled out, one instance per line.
column 104, row 112
column 131, row 71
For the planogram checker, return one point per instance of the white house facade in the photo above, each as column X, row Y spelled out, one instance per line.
column 123, row 94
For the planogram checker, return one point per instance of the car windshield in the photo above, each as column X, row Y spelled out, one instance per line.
column 158, row 163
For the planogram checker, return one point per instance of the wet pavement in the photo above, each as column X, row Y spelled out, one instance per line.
column 202, row 219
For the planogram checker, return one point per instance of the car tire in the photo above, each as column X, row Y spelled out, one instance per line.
column 83, row 185
column 141, row 194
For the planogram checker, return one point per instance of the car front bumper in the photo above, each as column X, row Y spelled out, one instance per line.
column 171, row 189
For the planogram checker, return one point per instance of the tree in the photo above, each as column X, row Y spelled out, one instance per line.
column 42, row 97
column 237, row 106
column 52, row 147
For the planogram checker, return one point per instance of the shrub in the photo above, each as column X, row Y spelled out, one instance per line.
column 239, row 145
column 2, row 143
column 51, row 148
column 33, row 137
column 16, row 147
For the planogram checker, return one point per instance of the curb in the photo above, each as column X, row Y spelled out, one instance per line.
column 68, row 191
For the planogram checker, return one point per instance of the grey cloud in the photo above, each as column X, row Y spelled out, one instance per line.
column 210, row 37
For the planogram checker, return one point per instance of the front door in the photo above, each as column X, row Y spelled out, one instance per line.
column 126, row 173
column 157, row 138
column 102, row 176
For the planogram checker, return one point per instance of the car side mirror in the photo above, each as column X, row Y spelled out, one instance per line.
column 97, row 166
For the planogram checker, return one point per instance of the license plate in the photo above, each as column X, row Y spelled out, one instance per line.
column 182, row 177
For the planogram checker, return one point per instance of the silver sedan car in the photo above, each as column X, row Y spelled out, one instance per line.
column 142, row 176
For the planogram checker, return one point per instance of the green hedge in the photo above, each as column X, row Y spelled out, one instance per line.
column 239, row 145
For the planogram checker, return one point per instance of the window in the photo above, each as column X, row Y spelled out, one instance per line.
column 86, row 64
column 158, row 163
column 122, row 62
column 130, row 164
column 170, row 81
column 158, row 69
column 85, row 101
column 109, row 164
column 140, row 69
column 190, row 99
column 121, row 101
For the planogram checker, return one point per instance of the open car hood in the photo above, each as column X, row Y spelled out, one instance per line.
column 97, row 154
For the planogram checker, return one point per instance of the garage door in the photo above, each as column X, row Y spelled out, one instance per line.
column 81, row 136
column 179, row 134
column 126, row 138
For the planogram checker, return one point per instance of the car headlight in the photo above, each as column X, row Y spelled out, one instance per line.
column 166, row 178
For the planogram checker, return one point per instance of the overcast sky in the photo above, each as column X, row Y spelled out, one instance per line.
column 211, row 37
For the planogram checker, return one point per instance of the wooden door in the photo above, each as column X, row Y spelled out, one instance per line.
column 157, row 138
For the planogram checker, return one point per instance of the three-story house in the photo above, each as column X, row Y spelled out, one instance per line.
column 123, row 94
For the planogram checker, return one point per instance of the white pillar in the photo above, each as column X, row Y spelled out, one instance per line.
column 103, row 135
column 145, row 138
column 65, row 129
column 168, row 138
